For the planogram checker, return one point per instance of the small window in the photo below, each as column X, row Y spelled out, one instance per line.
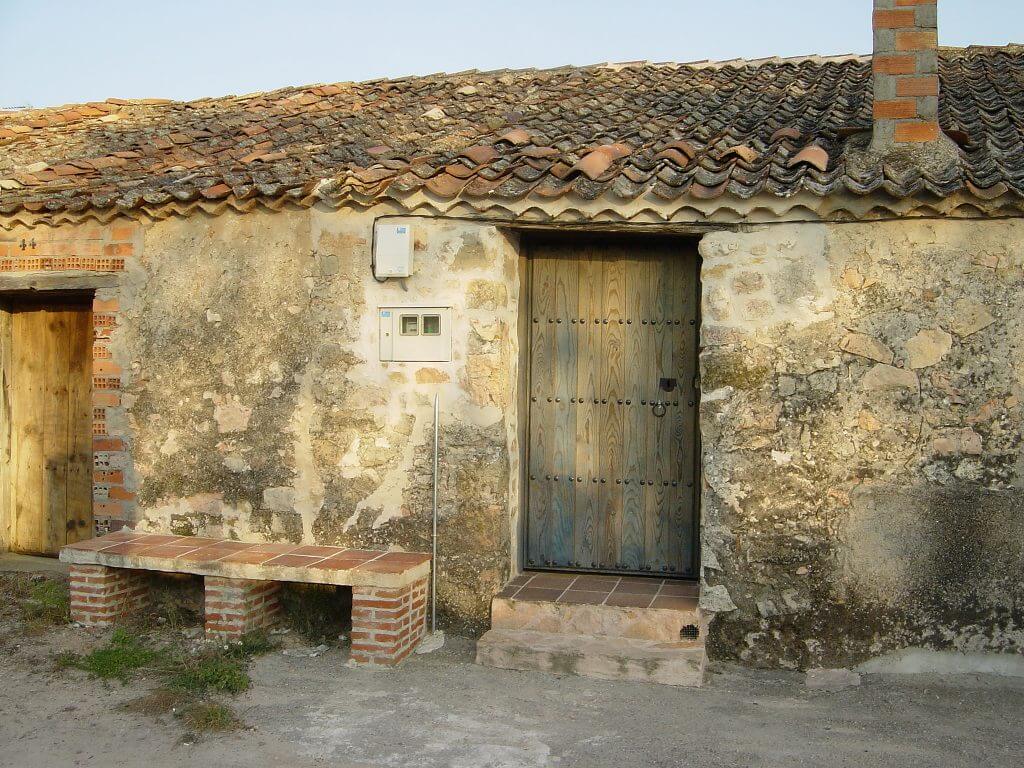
column 410, row 325
column 431, row 325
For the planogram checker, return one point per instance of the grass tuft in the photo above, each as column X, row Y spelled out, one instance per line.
column 118, row 660
column 189, row 679
column 46, row 604
column 159, row 701
column 216, row 673
column 250, row 645
column 210, row 716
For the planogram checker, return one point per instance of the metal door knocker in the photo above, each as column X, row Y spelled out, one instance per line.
column 659, row 409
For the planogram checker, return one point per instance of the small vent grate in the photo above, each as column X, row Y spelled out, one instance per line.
column 689, row 632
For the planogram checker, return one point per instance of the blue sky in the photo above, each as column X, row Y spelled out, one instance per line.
column 64, row 51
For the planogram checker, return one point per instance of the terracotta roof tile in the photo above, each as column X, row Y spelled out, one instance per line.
column 785, row 133
column 812, row 155
column 216, row 191
column 480, row 154
column 517, row 137
column 702, row 130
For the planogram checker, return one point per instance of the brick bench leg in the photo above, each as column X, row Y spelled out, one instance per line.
column 237, row 606
column 100, row 595
column 387, row 624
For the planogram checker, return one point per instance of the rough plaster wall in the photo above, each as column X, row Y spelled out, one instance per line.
column 260, row 409
column 861, row 420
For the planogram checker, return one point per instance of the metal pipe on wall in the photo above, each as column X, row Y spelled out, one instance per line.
column 433, row 538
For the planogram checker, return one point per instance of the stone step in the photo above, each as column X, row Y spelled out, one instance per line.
column 663, row 625
column 604, row 658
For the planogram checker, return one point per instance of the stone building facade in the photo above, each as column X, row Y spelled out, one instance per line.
column 861, row 354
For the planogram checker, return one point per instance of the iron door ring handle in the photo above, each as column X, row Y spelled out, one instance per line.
column 659, row 409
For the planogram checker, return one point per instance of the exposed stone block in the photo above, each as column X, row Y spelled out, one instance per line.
column 928, row 347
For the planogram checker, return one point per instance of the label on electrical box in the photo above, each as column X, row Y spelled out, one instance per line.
column 401, row 230
column 385, row 313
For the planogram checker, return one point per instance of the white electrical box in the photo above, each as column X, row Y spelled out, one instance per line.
column 392, row 250
column 415, row 334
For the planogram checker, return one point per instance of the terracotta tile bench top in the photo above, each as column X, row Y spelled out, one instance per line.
column 240, row 560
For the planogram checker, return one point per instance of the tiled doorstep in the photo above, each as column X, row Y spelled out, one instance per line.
column 608, row 627
column 618, row 591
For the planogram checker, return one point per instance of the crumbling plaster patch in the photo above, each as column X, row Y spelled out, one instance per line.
column 255, row 341
column 861, row 432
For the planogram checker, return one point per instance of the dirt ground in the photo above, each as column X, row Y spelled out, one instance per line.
column 442, row 710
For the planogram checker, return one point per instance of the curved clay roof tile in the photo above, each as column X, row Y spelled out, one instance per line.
column 742, row 151
column 372, row 175
column 216, row 191
column 786, row 133
column 517, row 137
column 480, row 154
column 445, row 185
column 703, row 192
column 682, row 145
column 813, row 154
column 989, row 193
column 459, row 171
column 597, row 161
column 539, row 152
column 677, row 157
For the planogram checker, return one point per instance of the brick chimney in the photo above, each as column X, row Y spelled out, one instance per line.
column 906, row 81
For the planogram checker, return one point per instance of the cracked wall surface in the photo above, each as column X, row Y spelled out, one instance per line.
column 861, row 425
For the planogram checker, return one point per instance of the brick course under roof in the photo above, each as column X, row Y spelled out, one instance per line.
column 665, row 131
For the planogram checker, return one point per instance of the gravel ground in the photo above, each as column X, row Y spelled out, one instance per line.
column 442, row 710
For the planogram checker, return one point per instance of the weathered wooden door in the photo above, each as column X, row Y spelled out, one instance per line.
column 47, row 419
column 613, row 405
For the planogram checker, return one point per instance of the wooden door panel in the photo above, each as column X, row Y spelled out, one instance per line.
column 49, row 414
column 612, row 389
column 563, row 464
column 542, row 411
column 635, row 446
column 80, row 412
column 55, row 351
column 587, row 535
column 31, row 526
column 649, row 424
column 611, row 480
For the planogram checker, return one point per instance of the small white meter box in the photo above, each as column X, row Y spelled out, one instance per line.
column 415, row 334
column 392, row 250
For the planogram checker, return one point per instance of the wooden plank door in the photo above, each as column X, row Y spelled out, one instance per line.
column 612, row 424
column 47, row 381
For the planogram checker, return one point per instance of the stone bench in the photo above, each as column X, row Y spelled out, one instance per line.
column 242, row 581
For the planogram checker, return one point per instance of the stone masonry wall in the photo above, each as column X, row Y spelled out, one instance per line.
column 861, row 413
column 259, row 408
column 861, row 421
